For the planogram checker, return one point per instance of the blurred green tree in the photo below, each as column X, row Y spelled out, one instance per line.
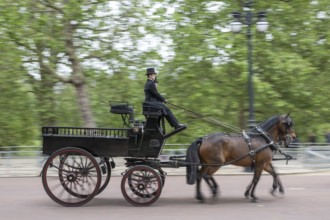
column 75, row 56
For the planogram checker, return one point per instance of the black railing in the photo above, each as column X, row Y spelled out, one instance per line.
column 90, row 132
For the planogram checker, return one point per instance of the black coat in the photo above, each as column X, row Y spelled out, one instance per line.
column 151, row 93
column 154, row 99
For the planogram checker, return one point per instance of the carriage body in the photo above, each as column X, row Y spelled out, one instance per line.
column 138, row 139
column 105, row 142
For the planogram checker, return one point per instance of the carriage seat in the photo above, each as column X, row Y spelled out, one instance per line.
column 122, row 108
column 148, row 109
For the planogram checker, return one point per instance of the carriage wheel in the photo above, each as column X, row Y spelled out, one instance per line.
column 141, row 185
column 71, row 177
column 162, row 176
column 105, row 172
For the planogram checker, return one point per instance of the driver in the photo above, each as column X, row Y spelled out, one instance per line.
column 153, row 98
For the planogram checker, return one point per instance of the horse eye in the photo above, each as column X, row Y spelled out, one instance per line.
column 287, row 124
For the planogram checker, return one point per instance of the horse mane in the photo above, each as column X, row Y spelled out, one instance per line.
column 267, row 124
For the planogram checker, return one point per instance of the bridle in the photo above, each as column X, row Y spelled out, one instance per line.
column 286, row 135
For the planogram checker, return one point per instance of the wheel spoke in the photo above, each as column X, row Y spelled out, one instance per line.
column 141, row 185
column 78, row 177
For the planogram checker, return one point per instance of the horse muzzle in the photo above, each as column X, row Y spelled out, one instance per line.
column 289, row 138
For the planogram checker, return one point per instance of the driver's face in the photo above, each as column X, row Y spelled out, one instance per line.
column 152, row 76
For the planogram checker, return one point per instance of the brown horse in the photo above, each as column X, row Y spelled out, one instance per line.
column 254, row 149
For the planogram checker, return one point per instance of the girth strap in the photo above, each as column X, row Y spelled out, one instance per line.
column 252, row 153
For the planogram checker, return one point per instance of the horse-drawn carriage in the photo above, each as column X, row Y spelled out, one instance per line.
column 81, row 159
column 80, row 162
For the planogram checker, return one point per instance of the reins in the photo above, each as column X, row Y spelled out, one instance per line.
column 251, row 153
column 207, row 118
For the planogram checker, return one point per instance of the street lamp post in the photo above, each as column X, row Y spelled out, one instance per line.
column 236, row 26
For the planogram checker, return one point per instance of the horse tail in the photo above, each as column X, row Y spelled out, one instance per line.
column 193, row 157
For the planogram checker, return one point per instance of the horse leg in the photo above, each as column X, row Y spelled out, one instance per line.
column 212, row 184
column 279, row 182
column 215, row 187
column 281, row 188
column 256, row 177
column 276, row 180
column 247, row 191
column 199, row 195
column 272, row 172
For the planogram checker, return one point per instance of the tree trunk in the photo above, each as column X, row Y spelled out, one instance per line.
column 44, row 90
column 84, row 105
column 78, row 78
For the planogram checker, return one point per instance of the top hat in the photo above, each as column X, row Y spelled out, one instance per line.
column 150, row 71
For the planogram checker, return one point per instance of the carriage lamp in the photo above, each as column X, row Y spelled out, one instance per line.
column 136, row 129
column 247, row 18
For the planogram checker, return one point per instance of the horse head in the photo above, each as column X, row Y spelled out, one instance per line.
column 285, row 129
column 280, row 128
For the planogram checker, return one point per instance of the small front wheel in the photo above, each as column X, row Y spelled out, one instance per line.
column 141, row 185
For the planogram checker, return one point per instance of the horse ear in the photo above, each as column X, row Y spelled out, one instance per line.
column 288, row 115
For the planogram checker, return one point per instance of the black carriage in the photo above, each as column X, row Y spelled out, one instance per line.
column 80, row 159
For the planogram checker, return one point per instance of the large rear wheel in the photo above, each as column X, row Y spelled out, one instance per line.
column 141, row 185
column 71, row 177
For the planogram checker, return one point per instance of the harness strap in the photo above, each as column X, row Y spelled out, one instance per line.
column 247, row 139
column 252, row 152
column 178, row 163
column 275, row 146
column 266, row 136
column 287, row 156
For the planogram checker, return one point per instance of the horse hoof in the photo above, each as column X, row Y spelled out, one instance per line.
column 254, row 200
column 281, row 195
column 200, row 199
column 273, row 192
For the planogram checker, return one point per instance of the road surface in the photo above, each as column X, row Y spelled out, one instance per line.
column 307, row 198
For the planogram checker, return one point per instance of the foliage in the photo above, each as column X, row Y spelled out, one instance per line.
column 18, row 122
column 51, row 48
